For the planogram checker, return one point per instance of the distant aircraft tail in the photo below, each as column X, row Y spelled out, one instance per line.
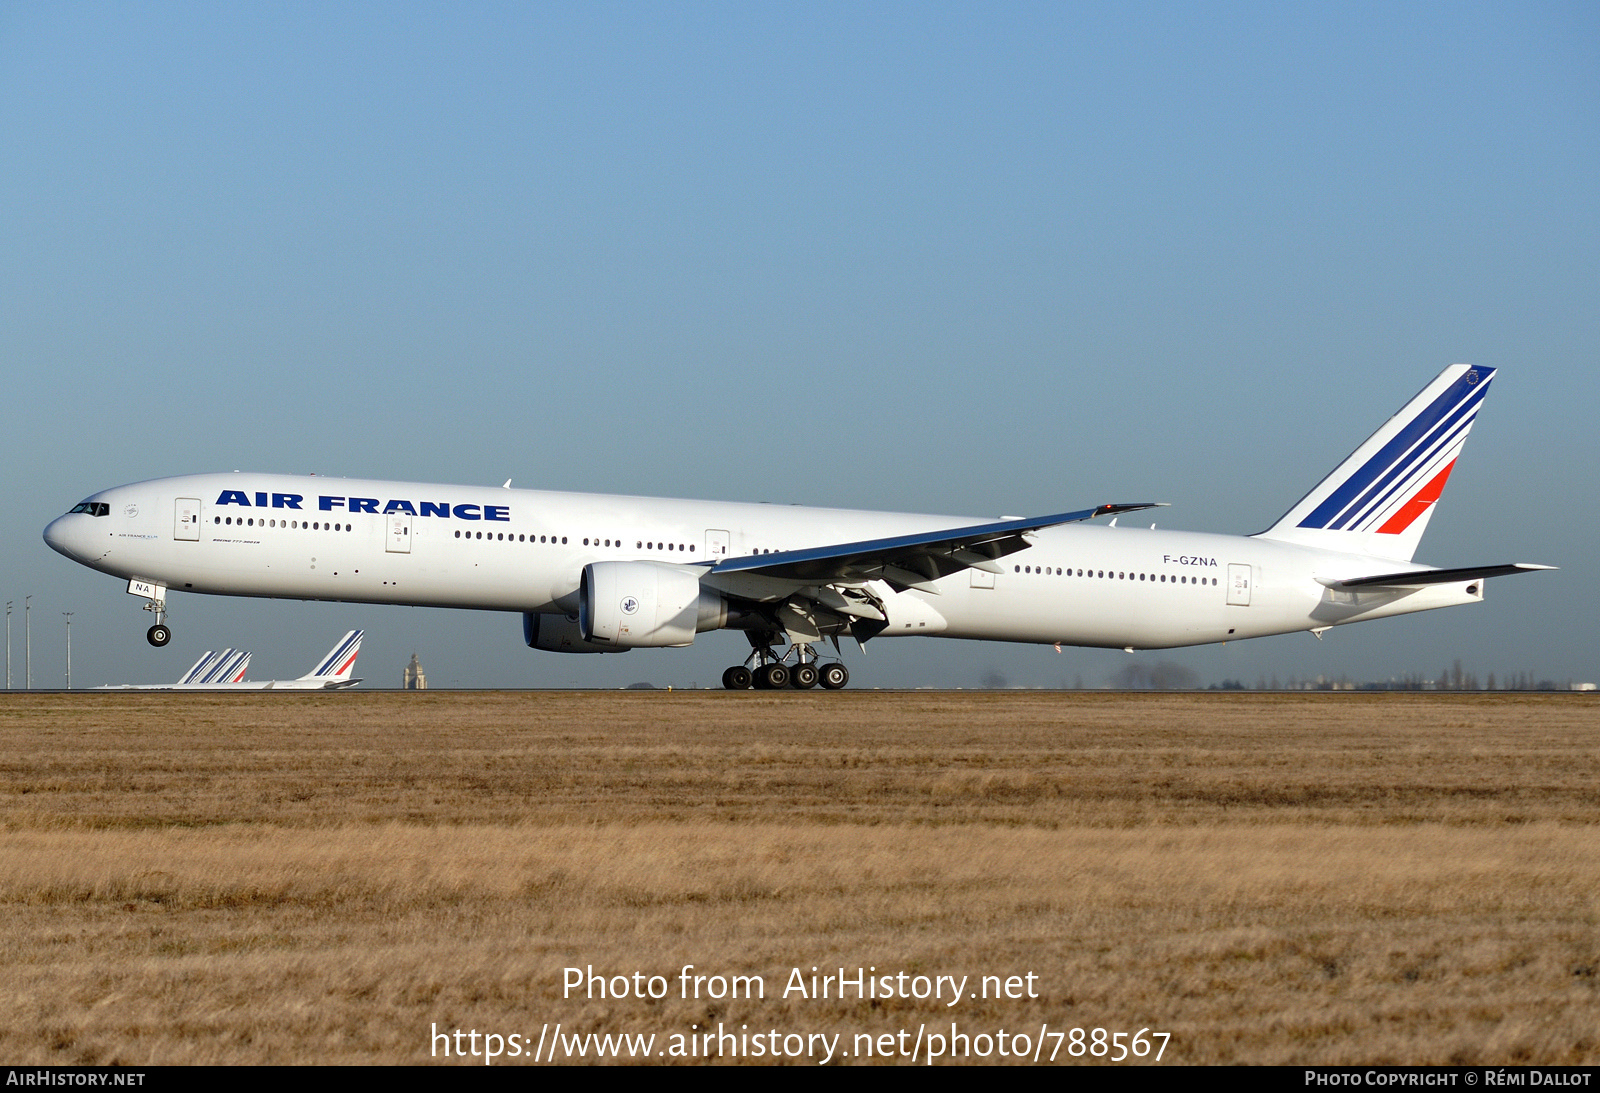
column 335, row 668
column 1379, row 500
column 228, row 666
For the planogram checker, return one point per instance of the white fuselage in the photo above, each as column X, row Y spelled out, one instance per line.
column 242, row 685
column 366, row 541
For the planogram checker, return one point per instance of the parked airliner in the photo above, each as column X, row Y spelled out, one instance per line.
column 603, row 574
column 225, row 671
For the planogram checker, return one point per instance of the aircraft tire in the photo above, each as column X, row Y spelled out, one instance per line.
column 158, row 635
column 737, row 678
column 772, row 677
column 835, row 676
column 804, row 677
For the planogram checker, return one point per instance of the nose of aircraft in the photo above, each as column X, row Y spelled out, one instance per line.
column 66, row 535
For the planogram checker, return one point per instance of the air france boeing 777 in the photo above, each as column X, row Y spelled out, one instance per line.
column 603, row 574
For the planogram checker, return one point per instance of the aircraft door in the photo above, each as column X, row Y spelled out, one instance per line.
column 1238, row 585
column 716, row 544
column 186, row 520
column 397, row 540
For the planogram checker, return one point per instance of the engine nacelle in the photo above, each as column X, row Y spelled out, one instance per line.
column 629, row 605
column 559, row 634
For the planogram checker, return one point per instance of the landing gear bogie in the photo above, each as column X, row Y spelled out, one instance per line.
column 765, row 669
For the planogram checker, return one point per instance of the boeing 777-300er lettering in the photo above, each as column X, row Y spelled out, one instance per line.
column 225, row 671
column 604, row 574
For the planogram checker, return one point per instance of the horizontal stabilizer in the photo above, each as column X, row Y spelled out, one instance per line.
column 1418, row 578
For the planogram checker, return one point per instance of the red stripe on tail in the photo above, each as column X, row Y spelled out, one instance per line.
column 1417, row 505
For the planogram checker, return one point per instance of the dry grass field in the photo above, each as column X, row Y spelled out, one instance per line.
column 1269, row 878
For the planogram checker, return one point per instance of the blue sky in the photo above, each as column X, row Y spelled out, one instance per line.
column 928, row 257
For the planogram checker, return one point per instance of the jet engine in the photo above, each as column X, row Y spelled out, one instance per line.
column 558, row 634
column 629, row 605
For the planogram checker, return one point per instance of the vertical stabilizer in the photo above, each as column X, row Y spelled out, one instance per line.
column 228, row 666
column 335, row 668
column 1379, row 500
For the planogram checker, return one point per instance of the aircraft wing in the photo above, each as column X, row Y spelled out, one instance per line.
column 911, row 561
column 1419, row 577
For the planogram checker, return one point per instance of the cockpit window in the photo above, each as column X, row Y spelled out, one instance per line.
column 93, row 508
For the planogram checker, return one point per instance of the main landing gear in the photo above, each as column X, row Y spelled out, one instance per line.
column 765, row 670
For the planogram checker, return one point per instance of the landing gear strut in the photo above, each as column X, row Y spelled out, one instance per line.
column 156, row 601
column 765, row 670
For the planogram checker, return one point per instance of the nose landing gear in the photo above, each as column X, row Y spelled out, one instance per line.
column 155, row 596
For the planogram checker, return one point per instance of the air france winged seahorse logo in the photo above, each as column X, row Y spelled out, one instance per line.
column 629, row 605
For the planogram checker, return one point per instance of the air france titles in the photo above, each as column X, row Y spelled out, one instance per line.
column 326, row 503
